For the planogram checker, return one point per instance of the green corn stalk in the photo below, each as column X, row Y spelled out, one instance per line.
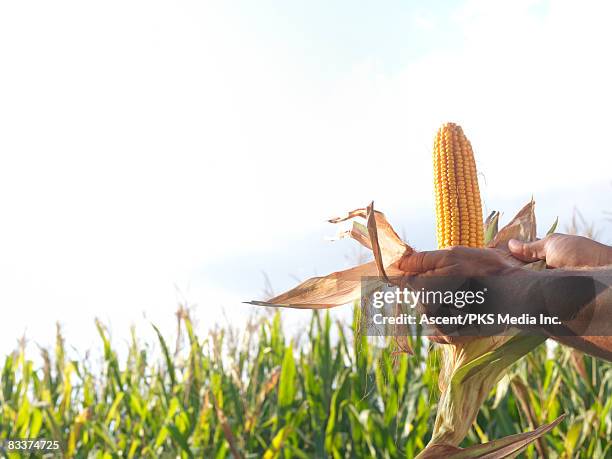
column 349, row 397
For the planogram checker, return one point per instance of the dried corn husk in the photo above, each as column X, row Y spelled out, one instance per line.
column 507, row 447
column 344, row 287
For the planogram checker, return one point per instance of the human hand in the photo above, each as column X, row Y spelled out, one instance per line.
column 458, row 261
column 563, row 251
column 454, row 269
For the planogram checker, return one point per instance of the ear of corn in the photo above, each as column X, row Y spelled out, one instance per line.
column 458, row 207
column 469, row 369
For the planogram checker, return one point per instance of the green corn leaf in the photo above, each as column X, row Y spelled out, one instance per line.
column 112, row 412
column 275, row 448
column 491, row 226
column 286, row 388
column 166, row 352
column 553, row 227
column 178, row 437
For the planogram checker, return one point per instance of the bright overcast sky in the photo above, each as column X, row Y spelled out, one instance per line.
column 153, row 146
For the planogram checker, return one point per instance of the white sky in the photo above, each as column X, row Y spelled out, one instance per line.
column 150, row 146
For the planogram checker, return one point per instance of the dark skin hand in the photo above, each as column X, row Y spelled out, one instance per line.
column 440, row 269
column 574, row 255
column 459, row 261
column 563, row 251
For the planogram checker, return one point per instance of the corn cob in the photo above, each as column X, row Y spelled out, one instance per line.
column 458, row 208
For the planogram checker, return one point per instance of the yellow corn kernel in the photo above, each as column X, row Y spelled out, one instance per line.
column 458, row 207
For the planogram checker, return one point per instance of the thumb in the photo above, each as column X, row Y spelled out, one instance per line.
column 528, row 251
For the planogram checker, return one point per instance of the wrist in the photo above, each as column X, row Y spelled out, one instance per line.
column 515, row 291
column 601, row 254
column 563, row 293
column 530, row 298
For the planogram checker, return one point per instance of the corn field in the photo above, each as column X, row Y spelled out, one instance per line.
column 259, row 393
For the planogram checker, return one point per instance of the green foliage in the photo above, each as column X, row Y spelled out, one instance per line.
column 258, row 394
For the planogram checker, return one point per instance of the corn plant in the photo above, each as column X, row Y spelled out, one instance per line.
column 258, row 393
